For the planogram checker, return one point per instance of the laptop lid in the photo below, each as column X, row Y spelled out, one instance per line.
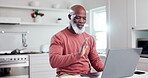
column 121, row 62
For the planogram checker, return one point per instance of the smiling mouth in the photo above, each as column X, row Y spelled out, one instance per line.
column 80, row 26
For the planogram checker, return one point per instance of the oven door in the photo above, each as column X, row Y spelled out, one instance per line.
column 14, row 72
column 14, row 69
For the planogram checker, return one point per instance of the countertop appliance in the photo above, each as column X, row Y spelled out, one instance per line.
column 143, row 43
column 14, row 66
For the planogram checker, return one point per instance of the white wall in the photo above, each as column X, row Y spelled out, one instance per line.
column 118, row 34
column 43, row 3
column 38, row 35
column 90, row 4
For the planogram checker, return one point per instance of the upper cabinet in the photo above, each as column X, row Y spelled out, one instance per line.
column 138, row 14
column 137, row 20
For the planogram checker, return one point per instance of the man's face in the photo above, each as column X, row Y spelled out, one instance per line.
column 79, row 20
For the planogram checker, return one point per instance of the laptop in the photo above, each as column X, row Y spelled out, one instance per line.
column 119, row 63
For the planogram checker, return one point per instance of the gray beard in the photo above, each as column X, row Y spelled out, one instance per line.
column 75, row 28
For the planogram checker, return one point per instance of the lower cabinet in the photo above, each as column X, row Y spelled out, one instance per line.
column 143, row 64
column 40, row 67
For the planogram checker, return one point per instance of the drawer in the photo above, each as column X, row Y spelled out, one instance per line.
column 41, row 68
column 144, row 60
column 142, row 66
column 51, row 74
column 39, row 59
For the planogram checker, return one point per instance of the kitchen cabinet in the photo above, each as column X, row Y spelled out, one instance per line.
column 137, row 26
column 137, row 20
column 40, row 67
column 127, row 21
column 137, row 14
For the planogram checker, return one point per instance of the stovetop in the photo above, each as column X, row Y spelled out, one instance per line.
column 9, row 53
column 12, row 54
column 23, row 53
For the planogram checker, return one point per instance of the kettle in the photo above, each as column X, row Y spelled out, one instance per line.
column 44, row 48
column 17, row 51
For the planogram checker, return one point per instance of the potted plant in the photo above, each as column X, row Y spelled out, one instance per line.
column 36, row 15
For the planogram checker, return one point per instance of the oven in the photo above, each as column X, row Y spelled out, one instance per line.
column 14, row 66
column 143, row 43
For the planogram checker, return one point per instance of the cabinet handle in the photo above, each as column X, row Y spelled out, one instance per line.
column 12, row 63
column 132, row 28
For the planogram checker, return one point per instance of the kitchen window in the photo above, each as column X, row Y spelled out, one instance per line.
column 99, row 28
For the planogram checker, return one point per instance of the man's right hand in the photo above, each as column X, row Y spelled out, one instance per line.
column 83, row 47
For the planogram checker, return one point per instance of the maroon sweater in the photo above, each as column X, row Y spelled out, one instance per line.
column 64, row 56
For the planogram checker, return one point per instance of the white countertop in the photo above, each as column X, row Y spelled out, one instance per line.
column 23, row 76
column 134, row 76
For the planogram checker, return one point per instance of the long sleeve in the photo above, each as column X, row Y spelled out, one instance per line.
column 57, row 59
column 63, row 53
column 95, row 60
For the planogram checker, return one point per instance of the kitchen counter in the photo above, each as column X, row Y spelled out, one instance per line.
column 22, row 53
column 96, row 75
column 24, row 76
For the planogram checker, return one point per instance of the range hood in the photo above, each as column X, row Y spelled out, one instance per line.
column 10, row 21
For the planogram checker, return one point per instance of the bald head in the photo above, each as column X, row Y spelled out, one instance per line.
column 77, row 9
column 77, row 19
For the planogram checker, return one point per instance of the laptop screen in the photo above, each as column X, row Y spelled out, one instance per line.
column 121, row 62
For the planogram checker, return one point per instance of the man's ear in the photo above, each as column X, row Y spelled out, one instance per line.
column 69, row 16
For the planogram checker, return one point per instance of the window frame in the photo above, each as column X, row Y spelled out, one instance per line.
column 92, row 31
